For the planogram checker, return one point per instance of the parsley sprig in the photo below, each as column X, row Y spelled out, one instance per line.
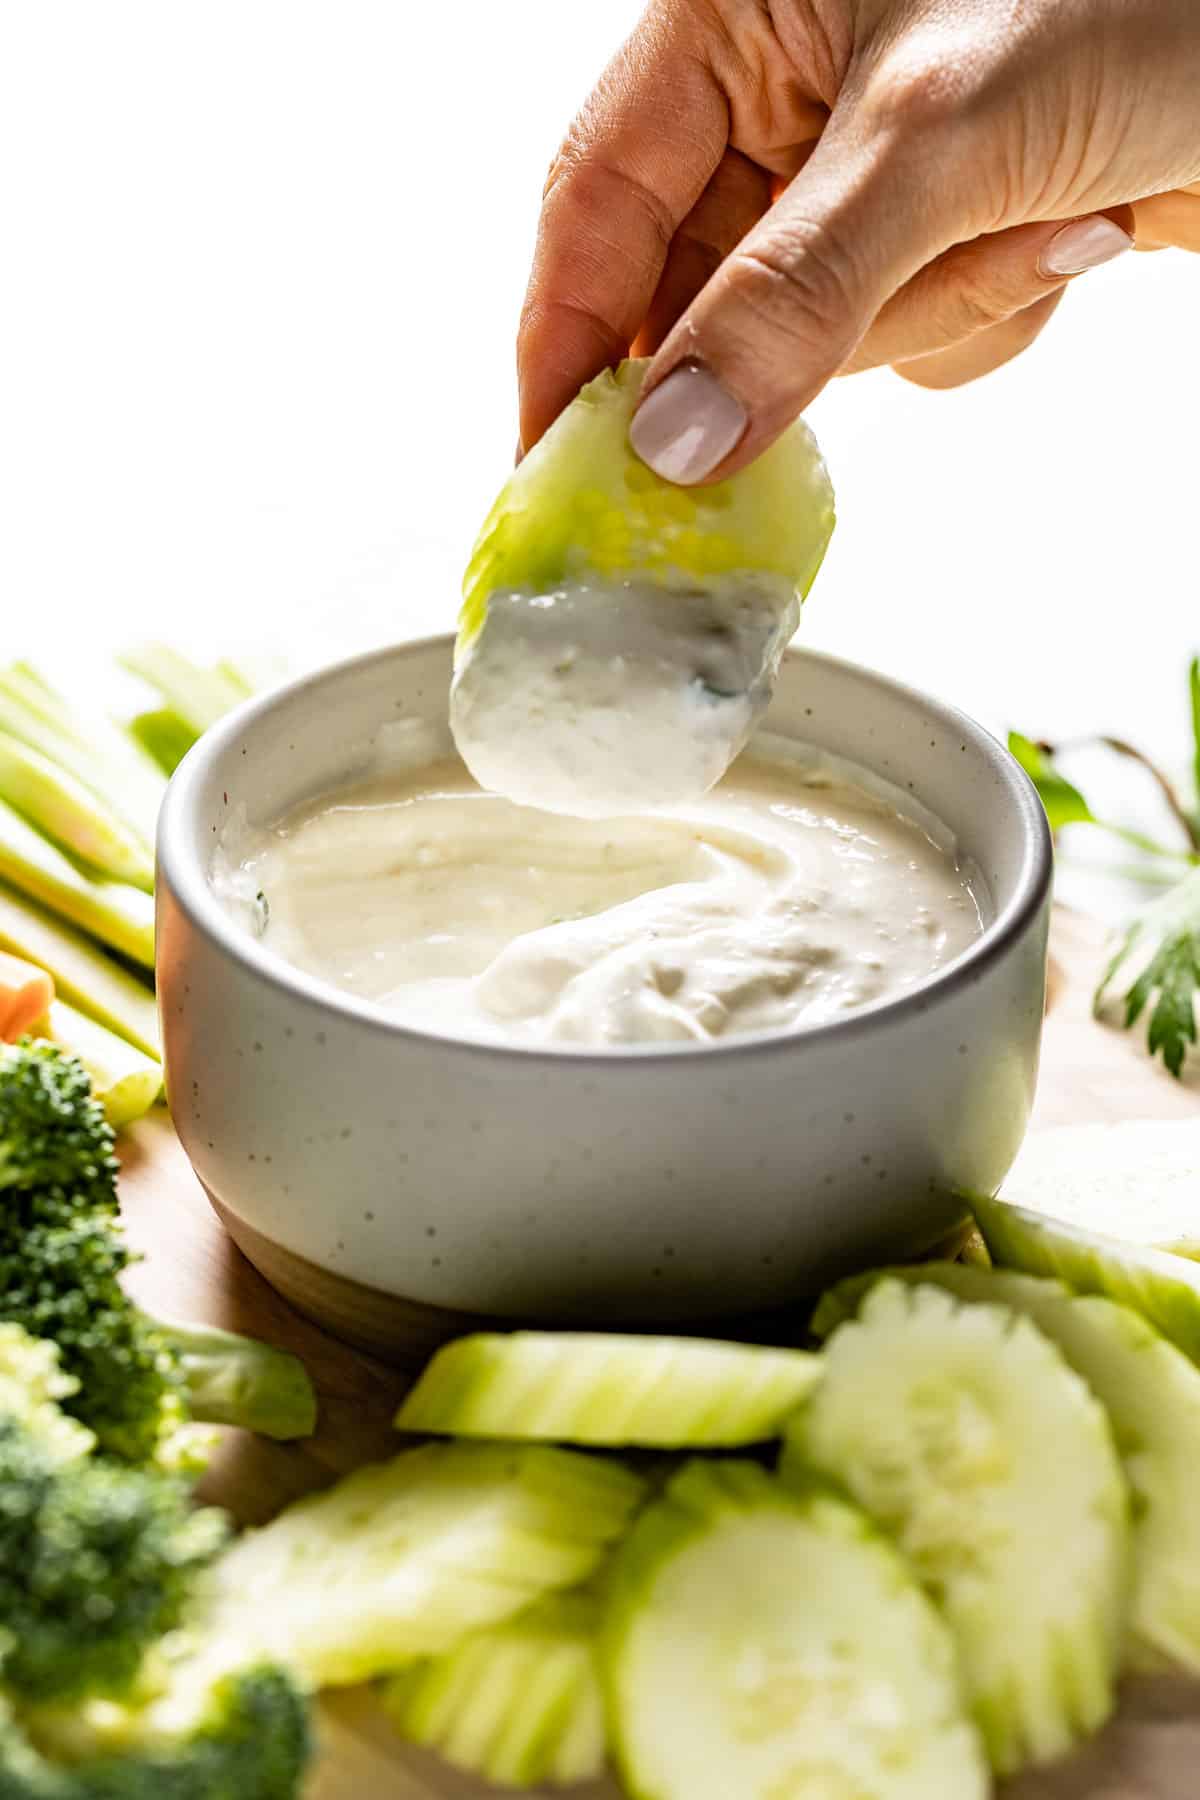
column 1162, row 940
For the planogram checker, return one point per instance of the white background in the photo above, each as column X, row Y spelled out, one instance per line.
column 261, row 268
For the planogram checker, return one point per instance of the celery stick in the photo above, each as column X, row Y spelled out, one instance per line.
column 119, row 915
column 60, row 805
column 125, row 1081
column 89, row 747
column 237, row 677
column 253, row 671
column 164, row 736
column 199, row 696
column 82, row 973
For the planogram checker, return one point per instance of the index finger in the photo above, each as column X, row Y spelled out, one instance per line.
column 632, row 166
column 1169, row 221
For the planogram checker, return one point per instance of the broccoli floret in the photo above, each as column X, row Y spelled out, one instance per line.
column 62, row 1281
column 62, row 1258
column 53, row 1133
column 247, row 1738
column 141, row 1379
column 32, row 1390
column 96, row 1563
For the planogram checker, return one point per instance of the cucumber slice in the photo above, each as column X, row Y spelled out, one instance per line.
column 592, row 1388
column 1164, row 1288
column 605, row 610
column 1139, row 1180
column 962, row 1431
column 1151, row 1393
column 582, row 503
column 405, row 1558
column 769, row 1645
column 519, row 1704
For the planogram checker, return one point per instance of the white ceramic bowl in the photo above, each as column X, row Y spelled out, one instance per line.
column 390, row 1181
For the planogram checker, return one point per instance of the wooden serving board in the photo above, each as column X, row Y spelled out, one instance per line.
column 1089, row 1073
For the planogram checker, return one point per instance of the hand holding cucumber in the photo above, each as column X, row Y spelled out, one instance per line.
column 765, row 196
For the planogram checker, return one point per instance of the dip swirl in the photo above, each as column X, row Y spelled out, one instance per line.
column 787, row 897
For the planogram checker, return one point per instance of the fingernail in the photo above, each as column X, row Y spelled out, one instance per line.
column 688, row 425
column 1084, row 244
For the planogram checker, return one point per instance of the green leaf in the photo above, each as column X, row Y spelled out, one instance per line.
column 1168, row 931
column 1194, row 686
column 1064, row 803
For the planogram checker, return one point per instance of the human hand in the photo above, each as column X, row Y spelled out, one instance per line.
column 762, row 195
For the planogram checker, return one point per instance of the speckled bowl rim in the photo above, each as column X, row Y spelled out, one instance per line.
column 183, row 854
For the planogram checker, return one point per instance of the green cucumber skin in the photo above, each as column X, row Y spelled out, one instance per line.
column 1065, row 1689
column 582, row 503
column 1163, row 1287
column 518, row 1704
column 700, row 1494
column 609, row 1390
column 1092, row 1331
column 405, row 1559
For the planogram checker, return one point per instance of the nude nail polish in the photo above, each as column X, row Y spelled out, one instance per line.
column 1084, row 244
column 688, row 425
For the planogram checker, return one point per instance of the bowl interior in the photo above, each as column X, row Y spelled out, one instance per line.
column 389, row 708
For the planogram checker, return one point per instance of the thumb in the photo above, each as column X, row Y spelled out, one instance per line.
column 785, row 311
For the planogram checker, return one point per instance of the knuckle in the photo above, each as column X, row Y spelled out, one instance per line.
column 970, row 303
column 596, row 189
column 801, row 282
column 920, row 88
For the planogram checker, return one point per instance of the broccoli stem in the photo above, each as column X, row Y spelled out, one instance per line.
column 235, row 1380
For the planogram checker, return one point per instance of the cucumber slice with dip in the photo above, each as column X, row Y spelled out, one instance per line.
column 962, row 1431
column 609, row 1389
column 620, row 636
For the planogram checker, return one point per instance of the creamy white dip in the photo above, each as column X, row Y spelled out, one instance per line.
column 787, row 897
column 604, row 698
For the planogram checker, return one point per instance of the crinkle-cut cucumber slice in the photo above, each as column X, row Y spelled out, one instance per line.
column 963, row 1432
column 519, row 1703
column 765, row 1644
column 582, row 503
column 600, row 1389
column 1138, row 1180
column 1151, row 1393
column 405, row 1558
column 1164, row 1288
